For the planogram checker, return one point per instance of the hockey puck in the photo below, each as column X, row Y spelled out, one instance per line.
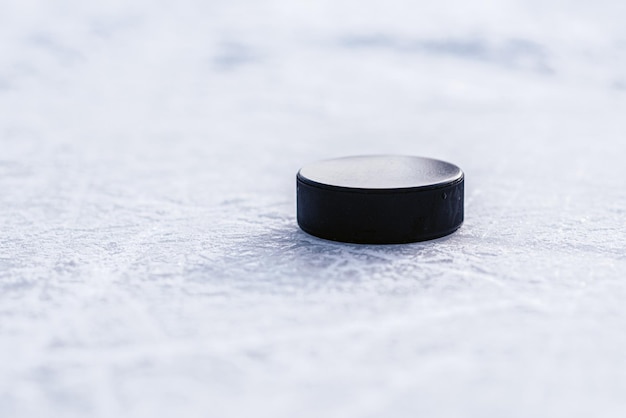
column 380, row 199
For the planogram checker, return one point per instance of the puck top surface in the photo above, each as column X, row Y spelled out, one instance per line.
column 381, row 172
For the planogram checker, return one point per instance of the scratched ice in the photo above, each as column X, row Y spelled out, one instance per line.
column 150, row 263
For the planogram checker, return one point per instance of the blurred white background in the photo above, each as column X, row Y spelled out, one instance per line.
column 150, row 262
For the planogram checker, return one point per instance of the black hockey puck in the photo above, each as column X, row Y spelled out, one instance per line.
column 380, row 199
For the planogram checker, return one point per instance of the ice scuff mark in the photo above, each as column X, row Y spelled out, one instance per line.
column 233, row 55
column 108, row 27
column 64, row 54
column 4, row 84
column 619, row 85
column 515, row 53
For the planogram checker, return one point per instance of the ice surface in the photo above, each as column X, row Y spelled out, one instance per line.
column 150, row 263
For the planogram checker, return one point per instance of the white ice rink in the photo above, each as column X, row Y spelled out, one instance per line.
column 150, row 262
